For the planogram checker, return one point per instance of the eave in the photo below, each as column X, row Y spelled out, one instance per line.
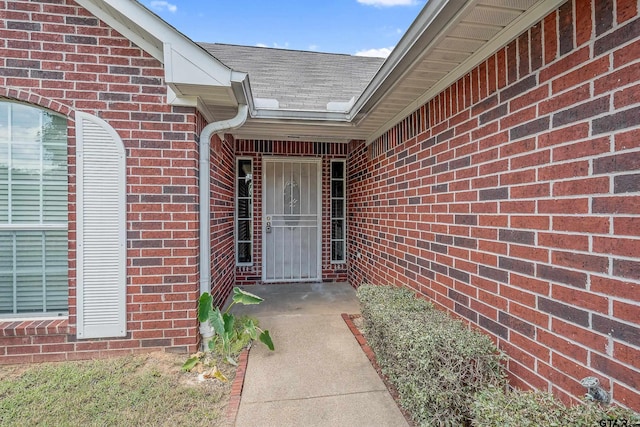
column 194, row 78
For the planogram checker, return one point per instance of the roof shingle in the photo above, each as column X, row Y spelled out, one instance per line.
column 299, row 80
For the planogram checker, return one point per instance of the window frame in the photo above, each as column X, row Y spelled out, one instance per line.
column 332, row 198
column 40, row 226
column 237, row 218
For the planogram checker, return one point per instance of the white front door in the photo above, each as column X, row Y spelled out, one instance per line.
column 291, row 226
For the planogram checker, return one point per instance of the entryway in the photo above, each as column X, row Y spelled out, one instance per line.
column 292, row 206
column 317, row 375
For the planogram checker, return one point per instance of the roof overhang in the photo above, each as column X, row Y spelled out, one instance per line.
column 194, row 78
column 446, row 41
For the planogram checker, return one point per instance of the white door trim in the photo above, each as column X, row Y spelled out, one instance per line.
column 292, row 160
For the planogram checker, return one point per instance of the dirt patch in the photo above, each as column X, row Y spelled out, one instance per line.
column 170, row 364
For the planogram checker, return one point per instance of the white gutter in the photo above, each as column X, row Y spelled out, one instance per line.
column 205, row 204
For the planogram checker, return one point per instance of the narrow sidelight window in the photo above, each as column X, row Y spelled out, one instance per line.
column 244, row 212
column 338, row 212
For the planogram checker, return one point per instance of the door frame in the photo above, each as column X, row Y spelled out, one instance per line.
column 273, row 159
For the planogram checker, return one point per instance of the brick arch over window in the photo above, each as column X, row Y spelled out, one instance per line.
column 35, row 99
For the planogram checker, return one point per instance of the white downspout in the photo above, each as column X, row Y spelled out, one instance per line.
column 205, row 204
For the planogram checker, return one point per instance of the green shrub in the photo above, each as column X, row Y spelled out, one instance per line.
column 435, row 362
column 494, row 407
column 401, row 298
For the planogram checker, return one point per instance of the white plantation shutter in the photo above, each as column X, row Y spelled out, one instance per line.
column 101, row 224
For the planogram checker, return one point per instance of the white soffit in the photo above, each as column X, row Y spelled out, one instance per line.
column 441, row 50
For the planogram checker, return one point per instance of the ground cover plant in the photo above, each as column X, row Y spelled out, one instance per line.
column 496, row 407
column 447, row 374
column 436, row 363
column 146, row 390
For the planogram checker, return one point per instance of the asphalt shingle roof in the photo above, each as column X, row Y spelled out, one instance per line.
column 299, row 80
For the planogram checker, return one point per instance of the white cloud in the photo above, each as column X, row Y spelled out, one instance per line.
column 275, row 45
column 388, row 3
column 378, row 53
column 313, row 47
column 161, row 6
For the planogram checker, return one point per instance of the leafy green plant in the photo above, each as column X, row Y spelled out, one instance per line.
column 231, row 334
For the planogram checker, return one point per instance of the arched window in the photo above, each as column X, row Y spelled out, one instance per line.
column 33, row 211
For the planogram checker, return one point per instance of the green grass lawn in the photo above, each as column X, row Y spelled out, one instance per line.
column 147, row 390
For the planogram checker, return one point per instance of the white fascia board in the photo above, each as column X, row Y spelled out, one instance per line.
column 306, row 115
column 182, row 67
column 509, row 33
column 383, row 81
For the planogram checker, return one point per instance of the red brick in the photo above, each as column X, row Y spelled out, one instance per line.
column 626, row 54
column 626, row 396
column 580, row 335
column 579, row 298
column 617, row 246
column 530, row 284
column 564, row 206
column 590, row 147
column 49, row 357
column 567, row 63
column 583, row 225
column 617, row 79
column 529, row 314
column 626, row 354
column 625, row 311
column 626, row 10
column 23, row 349
column 532, row 159
column 564, row 135
column 566, row 170
column 58, row 348
column 532, row 191
column 584, row 23
column 562, row 345
column 626, row 97
column 530, row 222
column 616, row 287
column 626, row 226
column 529, row 253
column 581, row 187
column 619, row 372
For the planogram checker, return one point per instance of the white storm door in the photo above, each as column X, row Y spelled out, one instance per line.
column 291, row 222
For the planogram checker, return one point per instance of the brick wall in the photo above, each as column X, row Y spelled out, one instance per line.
column 223, row 262
column 56, row 55
column 512, row 200
column 256, row 150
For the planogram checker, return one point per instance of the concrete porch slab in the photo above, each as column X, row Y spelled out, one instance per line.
column 318, row 375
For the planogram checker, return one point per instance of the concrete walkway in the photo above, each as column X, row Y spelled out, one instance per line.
column 318, row 374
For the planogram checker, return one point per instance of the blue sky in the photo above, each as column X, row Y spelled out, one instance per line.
column 370, row 27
